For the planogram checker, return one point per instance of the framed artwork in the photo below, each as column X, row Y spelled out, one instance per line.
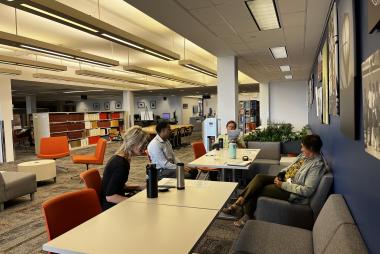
column 373, row 15
column 319, row 75
column 332, row 39
column 347, row 67
column 371, row 104
column 96, row 106
column 107, row 106
column 311, row 91
column 325, row 84
column 152, row 104
column 185, row 106
column 118, row 105
column 318, row 102
column 140, row 104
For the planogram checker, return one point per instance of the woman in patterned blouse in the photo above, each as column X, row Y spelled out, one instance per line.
column 296, row 183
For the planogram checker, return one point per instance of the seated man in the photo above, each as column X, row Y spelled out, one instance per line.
column 231, row 126
column 161, row 153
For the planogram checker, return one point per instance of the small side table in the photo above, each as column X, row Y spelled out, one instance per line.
column 43, row 169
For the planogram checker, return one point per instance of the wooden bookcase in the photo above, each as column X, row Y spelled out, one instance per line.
column 249, row 115
column 81, row 128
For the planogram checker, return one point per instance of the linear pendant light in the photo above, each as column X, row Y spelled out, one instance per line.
column 157, row 74
column 64, row 14
column 30, row 63
column 198, row 67
column 96, row 74
column 7, row 71
column 86, row 81
column 50, row 49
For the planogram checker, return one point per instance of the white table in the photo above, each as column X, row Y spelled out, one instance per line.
column 133, row 227
column 221, row 159
column 43, row 169
column 197, row 194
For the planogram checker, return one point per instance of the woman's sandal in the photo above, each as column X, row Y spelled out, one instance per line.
column 241, row 222
column 231, row 209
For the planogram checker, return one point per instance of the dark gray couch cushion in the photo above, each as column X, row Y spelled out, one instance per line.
column 265, row 237
column 333, row 214
column 321, row 193
column 347, row 240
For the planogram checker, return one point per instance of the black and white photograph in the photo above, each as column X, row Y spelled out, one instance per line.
column 96, row 106
column 118, row 105
column 152, row 104
column 332, row 40
column 371, row 104
column 140, row 104
column 107, row 106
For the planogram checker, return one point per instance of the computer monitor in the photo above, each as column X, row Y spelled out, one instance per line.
column 166, row 116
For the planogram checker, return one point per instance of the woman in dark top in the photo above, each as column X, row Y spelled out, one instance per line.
column 117, row 169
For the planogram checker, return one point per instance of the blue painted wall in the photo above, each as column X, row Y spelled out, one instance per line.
column 356, row 173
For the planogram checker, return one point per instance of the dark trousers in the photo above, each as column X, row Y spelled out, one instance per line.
column 261, row 185
column 171, row 173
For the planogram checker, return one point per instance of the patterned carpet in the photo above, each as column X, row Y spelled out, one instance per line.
column 22, row 228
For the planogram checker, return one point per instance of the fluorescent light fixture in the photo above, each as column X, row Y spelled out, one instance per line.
column 198, row 67
column 58, row 17
column 69, row 16
column 285, row 68
column 264, row 13
column 7, row 71
column 279, row 52
column 84, row 91
column 86, row 81
column 30, row 63
column 161, row 75
column 102, row 75
column 54, row 50
column 288, row 76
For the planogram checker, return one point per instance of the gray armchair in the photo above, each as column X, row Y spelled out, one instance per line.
column 16, row 184
column 286, row 213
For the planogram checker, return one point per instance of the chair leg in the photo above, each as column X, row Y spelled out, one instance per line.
column 1, row 207
column 86, row 166
column 32, row 196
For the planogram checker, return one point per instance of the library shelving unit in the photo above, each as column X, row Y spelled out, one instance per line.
column 249, row 115
column 81, row 128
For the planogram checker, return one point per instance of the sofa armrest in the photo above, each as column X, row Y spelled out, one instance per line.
column 284, row 212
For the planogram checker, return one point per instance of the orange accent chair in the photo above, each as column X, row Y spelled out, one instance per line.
column 92, row 180
column 96, row 158
column 54, row 147
column 69, row 210
column 200, row 150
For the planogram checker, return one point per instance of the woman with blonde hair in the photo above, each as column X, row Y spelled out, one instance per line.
column 117, row 169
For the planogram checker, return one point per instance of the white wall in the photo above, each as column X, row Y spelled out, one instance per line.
column 87, row 105
column 187, row 113
column 210, row 103
column 172, row 103
column 288, row 102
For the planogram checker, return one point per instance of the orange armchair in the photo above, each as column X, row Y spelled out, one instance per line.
column 96, row 158
column 200, row 150
column 92, row 180
column 54, row 147
column 69, row 210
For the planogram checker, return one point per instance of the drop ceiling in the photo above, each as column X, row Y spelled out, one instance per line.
column 225, row 27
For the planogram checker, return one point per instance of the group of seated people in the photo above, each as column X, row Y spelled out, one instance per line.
column 296, row 183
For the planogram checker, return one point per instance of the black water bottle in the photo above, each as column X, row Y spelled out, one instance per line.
column 151, row 181
column 220, row 142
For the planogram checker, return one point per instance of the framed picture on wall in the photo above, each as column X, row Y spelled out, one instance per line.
column 96, row 106
column 311, row 91
column 118, row 105
column 325, row 85
column 332, row 40
column 107, row 106
column 140, row 104
column 185, row 106
column 371, row 104
column 152, row 104
column 347, row 67
column 319, row 71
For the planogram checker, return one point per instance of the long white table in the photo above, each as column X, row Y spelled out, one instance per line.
column 132, row 227
column 197, row 194
column 221, row 159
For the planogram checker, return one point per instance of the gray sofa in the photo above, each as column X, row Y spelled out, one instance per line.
column 270, row 153
column 334, row 232
column 16, row 184
column 286, row 213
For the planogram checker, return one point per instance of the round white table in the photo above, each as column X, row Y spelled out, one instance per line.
column 43, row 169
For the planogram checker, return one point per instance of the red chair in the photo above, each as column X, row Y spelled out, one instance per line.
column 96, row 158
column 54, row 148
column 92, row 180
column 199, row 150
column 69, row 210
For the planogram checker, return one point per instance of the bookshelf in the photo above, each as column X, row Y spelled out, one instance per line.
column 249, row 115
column 81, row 128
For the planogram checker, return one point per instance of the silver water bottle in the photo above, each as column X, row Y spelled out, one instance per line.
column 180, row 176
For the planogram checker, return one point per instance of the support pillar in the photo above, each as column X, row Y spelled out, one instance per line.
column 128, row 108
column 6, row 116
column 31, row 107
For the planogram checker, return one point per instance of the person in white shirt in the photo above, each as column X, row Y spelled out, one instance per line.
column 161, row 153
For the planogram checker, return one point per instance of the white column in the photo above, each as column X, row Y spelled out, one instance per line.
column 129, row 108
column 264, row 104
column 6, row 115
column 31, row 106
column 228, row 91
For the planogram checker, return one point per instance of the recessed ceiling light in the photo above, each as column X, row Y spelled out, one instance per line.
column 279, row 52
column 264, row 13
column 288, row 76
column 285, row 68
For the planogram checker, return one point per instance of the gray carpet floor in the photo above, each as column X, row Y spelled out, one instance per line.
column 22, row 228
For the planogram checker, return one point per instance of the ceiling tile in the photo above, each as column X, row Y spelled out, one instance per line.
column 208, row 16
column 293, row 19
column 195, row 4
column 289, row 6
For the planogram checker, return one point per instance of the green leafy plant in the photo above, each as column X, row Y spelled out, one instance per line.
column 276, row 132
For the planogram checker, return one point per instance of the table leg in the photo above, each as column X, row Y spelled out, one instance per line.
column 233, row 175
column 222, row 175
